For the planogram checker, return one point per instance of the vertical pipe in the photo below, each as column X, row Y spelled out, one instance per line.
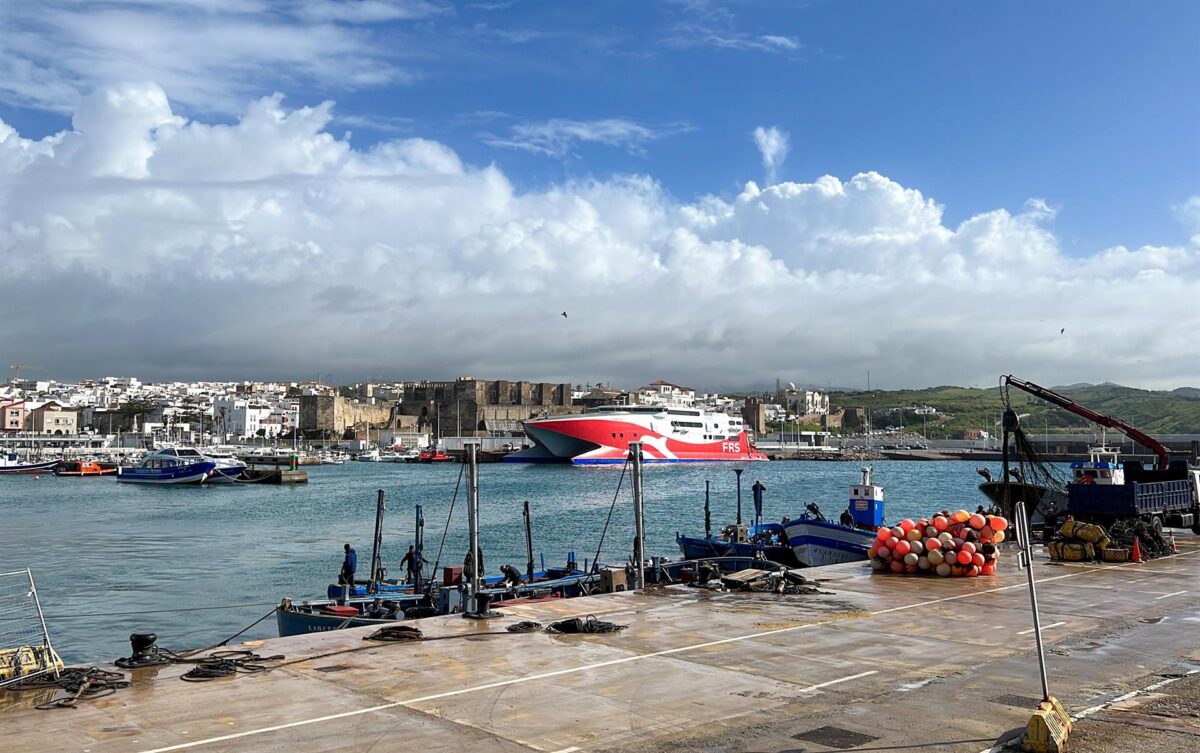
column 473, row 524
column 738, row 471
column 707, row 513
column 528, row 543
column 37, row 602
column 639, row 518
column 1027, row 551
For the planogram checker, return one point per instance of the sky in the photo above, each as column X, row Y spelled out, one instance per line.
column 714, row 193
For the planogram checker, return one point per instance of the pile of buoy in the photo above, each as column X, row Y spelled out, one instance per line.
column 962, row 544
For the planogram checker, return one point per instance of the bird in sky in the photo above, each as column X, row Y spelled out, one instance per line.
column 564, row 315
column 1064, row 329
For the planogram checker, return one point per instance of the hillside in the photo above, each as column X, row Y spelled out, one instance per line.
column 1155, row 412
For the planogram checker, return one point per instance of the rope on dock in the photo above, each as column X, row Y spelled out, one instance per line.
column 82, row 683
column 395, row 633
column 526, row 626
column 222, row 664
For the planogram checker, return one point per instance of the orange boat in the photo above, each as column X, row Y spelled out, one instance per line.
column 83, row 468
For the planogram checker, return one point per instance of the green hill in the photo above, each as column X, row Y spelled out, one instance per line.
column 959, row 408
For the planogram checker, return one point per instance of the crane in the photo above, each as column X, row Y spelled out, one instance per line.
column 1066, row 403
column 16, row 368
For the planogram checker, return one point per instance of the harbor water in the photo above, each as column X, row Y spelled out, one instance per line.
column 197, row 564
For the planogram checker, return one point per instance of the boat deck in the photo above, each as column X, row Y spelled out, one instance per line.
column 876, row 662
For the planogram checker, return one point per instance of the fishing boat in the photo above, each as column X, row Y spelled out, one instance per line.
column 434, row 455
column 12, row 462
column 169, row 466
column 759, row 539
column 392, row 601
column 817, row 541
column 369, row 456
column 84, row 468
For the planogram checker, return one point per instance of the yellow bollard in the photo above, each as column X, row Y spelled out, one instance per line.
column 1048, row 729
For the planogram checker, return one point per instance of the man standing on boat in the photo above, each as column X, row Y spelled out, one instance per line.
column 349, row 565
column 411, row 563
column 847, row 518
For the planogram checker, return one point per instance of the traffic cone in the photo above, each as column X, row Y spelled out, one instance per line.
column 1137, row 549
column 1171, row 535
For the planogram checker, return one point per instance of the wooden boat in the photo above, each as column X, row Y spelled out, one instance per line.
column 82, row 468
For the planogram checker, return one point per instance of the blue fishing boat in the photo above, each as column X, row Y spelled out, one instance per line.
column 759, row 539
column 169, row 466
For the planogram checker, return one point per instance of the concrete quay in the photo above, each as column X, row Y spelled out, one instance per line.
column 876, row 662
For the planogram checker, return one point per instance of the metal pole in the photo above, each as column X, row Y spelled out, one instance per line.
column 639, row 518
column 1027, row 550
column 418, row 549
column 739, row 471
column 707, row 513
column 528, row 543
column 473, row 525
column 376, row 547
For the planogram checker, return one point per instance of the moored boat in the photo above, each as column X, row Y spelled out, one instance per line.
column 83, row 469
column 668, row 435
column 169, row 466
column 12, row 462
column 817, row 541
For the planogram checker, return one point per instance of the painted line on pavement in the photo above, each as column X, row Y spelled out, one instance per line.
column 609, row 663
column 1052, row 625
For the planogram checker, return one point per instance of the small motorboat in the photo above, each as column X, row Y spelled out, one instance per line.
column 434, row 456
column 169, row 466
column 84, row 468
column 12, row 462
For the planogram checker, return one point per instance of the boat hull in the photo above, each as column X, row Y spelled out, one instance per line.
column 43, row 467
column 594, row 440
column 695, row 548
column 192, row 473
column 816, row 543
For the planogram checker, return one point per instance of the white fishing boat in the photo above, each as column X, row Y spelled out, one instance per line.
column 12, row 462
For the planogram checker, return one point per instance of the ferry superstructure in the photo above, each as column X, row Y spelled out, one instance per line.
column 668, row 435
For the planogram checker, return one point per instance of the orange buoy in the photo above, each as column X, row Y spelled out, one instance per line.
column 933, row 543
column 910, row 568
column 903, row 547
column 964, row 558
column 977, row 521
column 897, row 566
column 871, row 553
column 998, row 537
column 884, row 533
column 913, row 535
column 940, row 523
column 972, row 571
column 967, row 547
column 977, row 560
column 989, row 569
column 998, row 523
column 891, row 542
column 906, row 524
column 962, row 516
column 986, row 533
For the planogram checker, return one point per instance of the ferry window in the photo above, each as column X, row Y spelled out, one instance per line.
column 614, row 436
column 622, row 435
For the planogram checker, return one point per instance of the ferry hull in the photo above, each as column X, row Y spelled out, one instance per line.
column 817, row 543
column 589, row 440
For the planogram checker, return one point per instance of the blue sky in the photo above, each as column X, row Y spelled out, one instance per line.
column 944, row 191
column 1090, row 105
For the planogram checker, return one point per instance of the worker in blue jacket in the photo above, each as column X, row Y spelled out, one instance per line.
column 349, row 565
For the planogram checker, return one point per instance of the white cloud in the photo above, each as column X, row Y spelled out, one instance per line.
column 773, row 146
column 787, row 43
column 558, row 136
column 271, row 247
column 212, row 57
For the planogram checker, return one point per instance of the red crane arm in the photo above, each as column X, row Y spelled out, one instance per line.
column 1068, row 404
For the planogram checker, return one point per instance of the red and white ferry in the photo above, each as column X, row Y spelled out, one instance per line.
column 668, row 435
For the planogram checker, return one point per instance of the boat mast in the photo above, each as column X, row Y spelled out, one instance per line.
column 377, row 545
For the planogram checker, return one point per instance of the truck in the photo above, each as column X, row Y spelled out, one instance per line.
column 1104, row 490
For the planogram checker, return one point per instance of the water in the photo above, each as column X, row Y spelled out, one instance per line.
column 111, row 559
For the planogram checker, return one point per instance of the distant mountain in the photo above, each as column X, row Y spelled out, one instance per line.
column 1152, row 411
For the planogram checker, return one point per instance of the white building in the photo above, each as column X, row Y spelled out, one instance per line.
column 237, row 417
column 806, row 402
column 666, row 394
